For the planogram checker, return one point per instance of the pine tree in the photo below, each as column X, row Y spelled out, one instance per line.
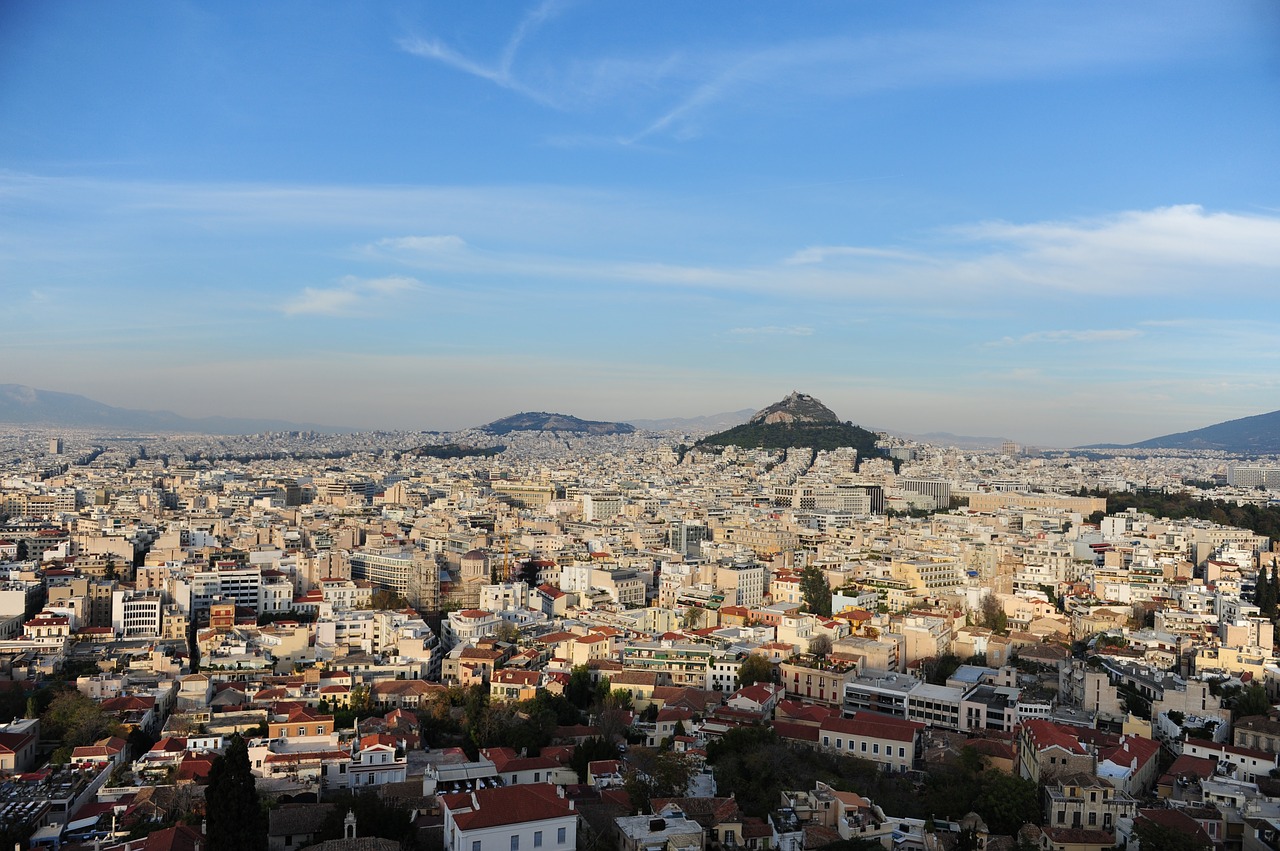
column 234, row 817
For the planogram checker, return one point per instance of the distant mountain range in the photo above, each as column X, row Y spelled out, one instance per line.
column 1256, row 435
column 543, row 421
column 32, row 406
column 946, row 438
column 711, row 422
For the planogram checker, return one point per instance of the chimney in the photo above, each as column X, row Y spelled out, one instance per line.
column 475, row 802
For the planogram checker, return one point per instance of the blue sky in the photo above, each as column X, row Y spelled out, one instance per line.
column 1054, row 222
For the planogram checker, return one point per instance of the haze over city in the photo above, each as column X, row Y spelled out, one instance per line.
column 1053, row 223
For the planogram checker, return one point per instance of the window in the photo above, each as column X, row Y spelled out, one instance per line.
column 864, row 747
column 1093, row 818
column 826, row 741
column 515, row 842
column 475, row 845
column 560, row 836
column 537, row 839
column 1062, row 816
column 839, row 743
column 902, row 752
column 875, row 748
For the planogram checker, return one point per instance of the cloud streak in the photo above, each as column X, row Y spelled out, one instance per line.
column 500, row 73
column 774, row 331
column 1096, row 335
column 681, row 84
column 352, row 297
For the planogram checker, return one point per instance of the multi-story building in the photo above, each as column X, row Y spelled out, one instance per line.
column 524, row 817
column 137, row 614
column 387, row 567
column 810, row 680
column 894, row 743
column 1082, row 801
column 745, row 581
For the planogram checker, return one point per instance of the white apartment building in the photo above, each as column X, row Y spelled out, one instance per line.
column 524, row 817
column 390, row 567
column 346, row 594
column 137, row 614
column 601, row 507
column 467, row 626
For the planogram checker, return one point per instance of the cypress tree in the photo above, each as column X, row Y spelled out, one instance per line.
column 234, row 818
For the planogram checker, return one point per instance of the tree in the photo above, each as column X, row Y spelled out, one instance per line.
column 385, row 598
column 815, row 591
column 375, row 816
column 755, row 669
column 993, row 616
column 970, row 760
column 592, row 750
column 77, row 720
column 619, row 698
column 234, row 819
column 691, row 617
column 581, row 690
column 1154, row 835
column 507, row 631
column 653, row 774
column 1007, row 802
column 820, row 645
column 1251, row 701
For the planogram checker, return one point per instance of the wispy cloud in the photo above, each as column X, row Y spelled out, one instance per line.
column 352, row 297
column 1096, row 335
column 681, row 84
column 425, row 244
column 500, row 72
column 825, row 253
column 774, row 331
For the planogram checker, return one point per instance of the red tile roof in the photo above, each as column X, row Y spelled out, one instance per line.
column 506, row 805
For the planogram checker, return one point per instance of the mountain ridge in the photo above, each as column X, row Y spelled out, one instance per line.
column 21, row 404
column 1258, row 434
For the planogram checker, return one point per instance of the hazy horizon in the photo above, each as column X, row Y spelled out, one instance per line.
column 1056, row 223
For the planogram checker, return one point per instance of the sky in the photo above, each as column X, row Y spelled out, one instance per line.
column 1057, row 223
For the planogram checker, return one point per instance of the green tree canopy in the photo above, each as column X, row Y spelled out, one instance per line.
column 1252, row 701
column 815, row 591
column 755, row 669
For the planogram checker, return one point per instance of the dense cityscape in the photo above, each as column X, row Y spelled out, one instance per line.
column 390, row 460
column 635, row 640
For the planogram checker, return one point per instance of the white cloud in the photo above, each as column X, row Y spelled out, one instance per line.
column 774, row 331
column 352, row 297
column 1098, row 335
column 816, row 254
column 426, row 244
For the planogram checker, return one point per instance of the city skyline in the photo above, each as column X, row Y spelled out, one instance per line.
column 1054, row 224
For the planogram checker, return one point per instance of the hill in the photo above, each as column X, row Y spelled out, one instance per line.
column 32, row 406
column 543, row 421
column 798, row 420
column 1256, row 435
